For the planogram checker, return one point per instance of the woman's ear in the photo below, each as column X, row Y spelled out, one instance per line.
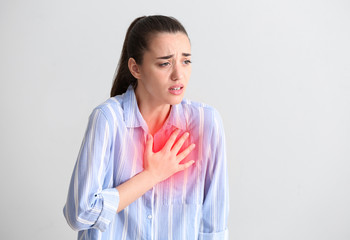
column 134, row 68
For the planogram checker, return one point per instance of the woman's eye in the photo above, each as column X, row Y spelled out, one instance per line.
column 164, row 64
column 187, row 61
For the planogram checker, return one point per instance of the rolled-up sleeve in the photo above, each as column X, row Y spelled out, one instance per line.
column 216, row 193
column 90, row 204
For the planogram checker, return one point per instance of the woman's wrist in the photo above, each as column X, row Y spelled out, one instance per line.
column 150, row 178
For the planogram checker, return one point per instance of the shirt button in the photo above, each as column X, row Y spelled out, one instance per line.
column 149, row 216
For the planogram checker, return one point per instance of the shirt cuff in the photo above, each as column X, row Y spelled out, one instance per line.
column 110, row 199
column 223, row 235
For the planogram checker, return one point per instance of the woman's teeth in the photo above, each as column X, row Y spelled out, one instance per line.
column 177, row 88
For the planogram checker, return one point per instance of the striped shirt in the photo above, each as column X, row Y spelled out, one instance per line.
column 191, row 204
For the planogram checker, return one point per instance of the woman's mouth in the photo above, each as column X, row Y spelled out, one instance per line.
column 176, row 89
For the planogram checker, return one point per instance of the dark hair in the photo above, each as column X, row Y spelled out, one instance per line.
column 136, row 42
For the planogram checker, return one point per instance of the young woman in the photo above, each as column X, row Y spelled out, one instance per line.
column 151, row 165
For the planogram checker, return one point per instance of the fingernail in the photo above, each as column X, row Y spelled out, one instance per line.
column 186, row 134
column 149, row 137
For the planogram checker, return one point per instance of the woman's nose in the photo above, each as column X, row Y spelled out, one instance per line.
column 176, row 73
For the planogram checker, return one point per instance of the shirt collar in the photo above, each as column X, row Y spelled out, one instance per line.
column 133, row 117
column 177, row 117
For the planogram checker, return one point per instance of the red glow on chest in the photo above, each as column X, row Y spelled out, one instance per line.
column 161, row 137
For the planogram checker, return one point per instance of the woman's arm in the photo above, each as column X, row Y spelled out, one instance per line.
column 216, row 197
column 89, row 204
column 157, row 167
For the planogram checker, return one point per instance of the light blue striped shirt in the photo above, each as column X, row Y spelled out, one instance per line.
column 192, row 204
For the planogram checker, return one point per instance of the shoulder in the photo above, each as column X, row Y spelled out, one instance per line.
column 198, row 112
column 111, row 109
column 196, row 108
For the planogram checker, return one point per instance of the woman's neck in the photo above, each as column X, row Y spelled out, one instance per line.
column 155, row 118
column 154, row 114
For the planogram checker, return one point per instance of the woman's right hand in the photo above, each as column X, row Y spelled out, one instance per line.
column 166, row 162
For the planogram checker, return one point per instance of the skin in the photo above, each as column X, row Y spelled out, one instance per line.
column 165, row 63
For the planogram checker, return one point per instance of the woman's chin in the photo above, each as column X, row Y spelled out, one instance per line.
column 176, row 100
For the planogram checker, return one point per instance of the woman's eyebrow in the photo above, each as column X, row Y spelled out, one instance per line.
column 172, row 55
column 166, row 57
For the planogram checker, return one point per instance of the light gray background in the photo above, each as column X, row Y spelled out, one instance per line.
column 278, row 72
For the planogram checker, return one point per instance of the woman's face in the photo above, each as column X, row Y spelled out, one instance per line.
column 165, row 69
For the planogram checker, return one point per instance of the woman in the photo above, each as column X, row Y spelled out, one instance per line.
column 151, row 165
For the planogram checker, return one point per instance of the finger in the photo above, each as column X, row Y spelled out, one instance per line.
column 185, row 165
column 185, row 152
column 171, row 140
column 180, row 142
column 149, row 144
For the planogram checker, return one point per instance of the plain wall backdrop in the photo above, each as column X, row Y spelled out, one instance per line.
column 277, row 71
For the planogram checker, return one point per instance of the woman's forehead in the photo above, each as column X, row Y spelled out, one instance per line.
column 169, row 43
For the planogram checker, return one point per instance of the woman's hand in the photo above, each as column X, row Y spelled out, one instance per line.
column 166, row 162
column 157, row 167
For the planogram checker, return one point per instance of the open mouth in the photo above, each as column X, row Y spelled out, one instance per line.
column 176, row 88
